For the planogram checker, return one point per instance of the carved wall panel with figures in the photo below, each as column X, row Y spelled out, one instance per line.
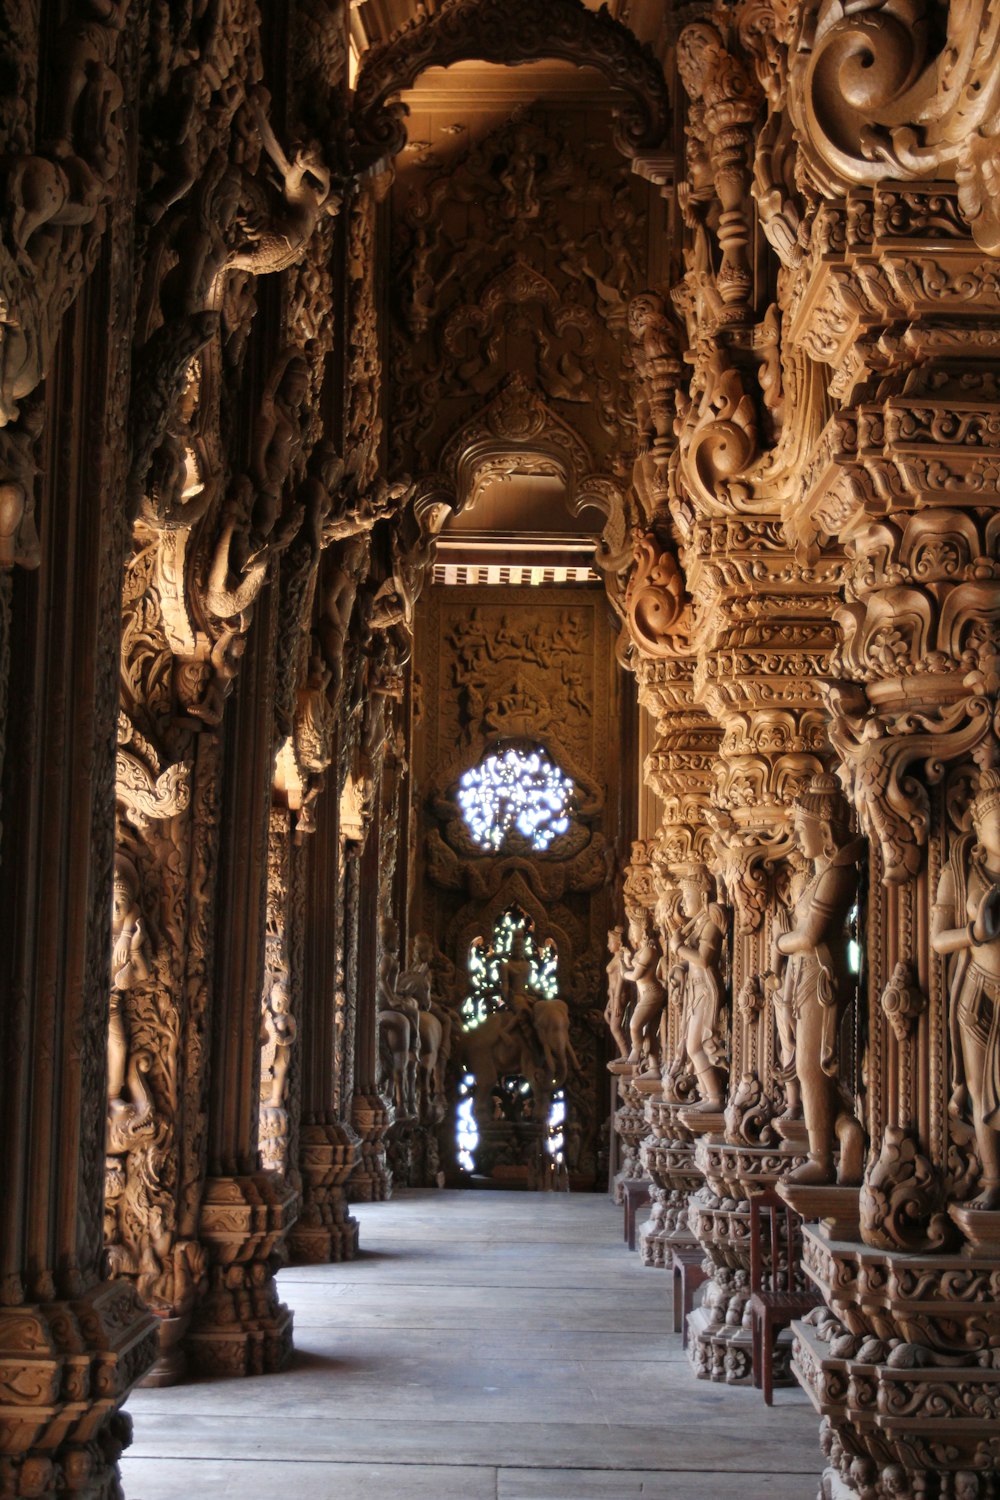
column 518, row 255
column 512, row 670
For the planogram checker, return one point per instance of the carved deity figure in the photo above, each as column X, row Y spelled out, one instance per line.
column 129, row 967
column 515, row 990
column 965, row 926
column 655, row 352
column 280, row 230
column 277, row 437
column 640, row 959
column 338, row 592
column 434, row 1021
column 180, row 486
column 614, row 1011
column 398, row 1020
column 695, row 950
column 518, row 177
column 811, row 959
column 515, row 976
column 280, row 1031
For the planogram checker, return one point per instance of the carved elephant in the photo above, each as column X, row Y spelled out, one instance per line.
column 551, row 1022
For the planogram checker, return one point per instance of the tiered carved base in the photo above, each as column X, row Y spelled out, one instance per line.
column 719, row 1343
column 667, row 1157
column 631, row 1129
column 371, row 1180
column 65, row 1369
column 325, row 1231
column 719, row 1335
column 901, row 1363
column 240, row 1327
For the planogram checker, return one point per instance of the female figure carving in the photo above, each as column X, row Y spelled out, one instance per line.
column 280, row 1030
column 965, row 925
column 398, row 1021
column 815, row 990
column 129, row 967
column 695, row 949
column 614, row 1011
column 640, row 959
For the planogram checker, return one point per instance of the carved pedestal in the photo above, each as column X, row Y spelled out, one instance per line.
column 900, row 1364
column 240, row 1327
column 630, row 1126
column 667, row 1157
column 757, row 1169
column 324, row 1230
column 719, row 1342
column 371, row 1180
column 65, row 1369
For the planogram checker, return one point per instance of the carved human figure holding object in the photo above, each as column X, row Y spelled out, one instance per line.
column 965, row 926
column 640, row 960
column 811, row 961
column 695, row 949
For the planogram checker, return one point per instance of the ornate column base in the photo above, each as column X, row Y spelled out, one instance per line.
column 65, row 1369
column 630, row 1126
column 667, row 1157
column 900, row 1364
column 240, row 1327
column 325, row 1231
column 719, row 1340
column 371, row 1180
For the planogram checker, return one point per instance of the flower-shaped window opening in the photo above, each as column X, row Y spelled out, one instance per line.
column 519, row 789
column 486, row 966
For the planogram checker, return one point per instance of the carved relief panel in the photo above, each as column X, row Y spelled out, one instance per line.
column 532, row 675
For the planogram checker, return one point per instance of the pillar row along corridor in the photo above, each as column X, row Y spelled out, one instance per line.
column 499, row 711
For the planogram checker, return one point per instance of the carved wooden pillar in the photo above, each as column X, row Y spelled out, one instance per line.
column 370, row 1115
column 240, row 1327
column 72, row 1344
column 680, row 769
column 904, row 479
column 329, row 1146
column 764, row 635
column 629, row 1117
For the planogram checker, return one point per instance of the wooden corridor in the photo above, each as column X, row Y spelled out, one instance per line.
column 485, row 1346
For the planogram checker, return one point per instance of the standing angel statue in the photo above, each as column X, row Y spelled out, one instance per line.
column 811, row 962
column 965, row 926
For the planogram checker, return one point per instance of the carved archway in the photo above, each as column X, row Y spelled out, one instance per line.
column 509, row 32
column 516, row 431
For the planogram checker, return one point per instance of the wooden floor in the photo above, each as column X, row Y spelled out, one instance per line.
column 486, row 1346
